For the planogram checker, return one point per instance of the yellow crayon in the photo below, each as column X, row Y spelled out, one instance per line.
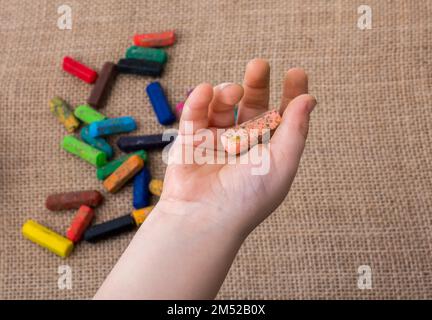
column 47, row 238
column 156, row 187
column 141, row 214
column 62, row 111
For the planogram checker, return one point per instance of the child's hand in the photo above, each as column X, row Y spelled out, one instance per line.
column 185, row 247
column 229, row 195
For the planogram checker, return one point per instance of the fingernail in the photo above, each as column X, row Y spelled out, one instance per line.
column 311, row 104
column 222, row 86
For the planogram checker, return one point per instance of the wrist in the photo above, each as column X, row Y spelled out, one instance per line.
column 194, row 220
column 178, row 253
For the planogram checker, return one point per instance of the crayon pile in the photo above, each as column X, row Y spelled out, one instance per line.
column 144, row 58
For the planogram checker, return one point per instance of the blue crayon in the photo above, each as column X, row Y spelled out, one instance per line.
column 141, row 193
column 160, row 103
column 112, row 126
column 98, row 143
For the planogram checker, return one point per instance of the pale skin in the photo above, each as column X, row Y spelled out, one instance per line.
column 186, row 246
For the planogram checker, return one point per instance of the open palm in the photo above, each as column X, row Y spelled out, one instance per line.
column 230, row 193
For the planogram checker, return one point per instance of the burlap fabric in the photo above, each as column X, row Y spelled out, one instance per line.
column 361, row 196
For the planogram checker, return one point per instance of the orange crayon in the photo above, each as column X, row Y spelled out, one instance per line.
column 245, row 135
column 123, row 173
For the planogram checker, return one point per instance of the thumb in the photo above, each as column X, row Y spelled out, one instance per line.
column 288, row 141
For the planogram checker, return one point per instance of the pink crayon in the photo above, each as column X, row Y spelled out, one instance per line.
column 179, row 109
column 179, row 106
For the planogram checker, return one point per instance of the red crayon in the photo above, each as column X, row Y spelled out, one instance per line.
column 159, row 39
column 79, row 70
column 80, row 223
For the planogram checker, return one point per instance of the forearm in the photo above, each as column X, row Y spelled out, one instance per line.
column 174, row 255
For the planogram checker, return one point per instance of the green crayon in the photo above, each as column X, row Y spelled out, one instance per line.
column 87, row 114
column 150, row 54
column 84, row 151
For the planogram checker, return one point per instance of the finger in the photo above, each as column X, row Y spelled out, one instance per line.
column 288, row 141
column 295, row 84
column 225, row 97
column 195, row 112
column 256, row 85
column 204, row 145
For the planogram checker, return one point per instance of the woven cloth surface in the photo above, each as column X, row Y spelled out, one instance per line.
column 362, row 195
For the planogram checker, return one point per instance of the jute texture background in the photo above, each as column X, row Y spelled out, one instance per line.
column 362, row 195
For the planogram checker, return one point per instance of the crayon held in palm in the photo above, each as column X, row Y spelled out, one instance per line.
column 110, row 167
column 84, row 151
column 147, row 142
column 112, row 126
column 79, row 70
column 87, row 114
column 125, row 172
column 80, row 223
column 141, row 214
column 141, row 194
column 47, row 238
column 110, row 228
column 149, row 54
column 63, row 113
column 73, row 200
column 160, row 103
column 244, row 136
column 156, row 39
column 99, row 143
